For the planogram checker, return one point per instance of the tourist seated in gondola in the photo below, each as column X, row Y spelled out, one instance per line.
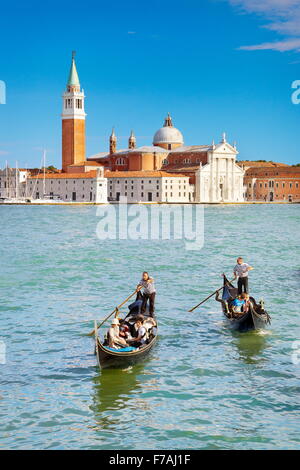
column 115, row 341
column 124, row 330
column 247, row 303
column 149, row 292
column 238, row 303
column 140, row 336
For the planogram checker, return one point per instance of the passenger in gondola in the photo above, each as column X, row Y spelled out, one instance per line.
column 149, row 292
column 114, row 339
column 247, row 303
column 140, row 337
column 124, row 331
column 240, row 271
column 238, row 304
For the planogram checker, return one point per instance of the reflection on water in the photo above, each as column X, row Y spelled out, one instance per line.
column 250, row 346
column 113, row 390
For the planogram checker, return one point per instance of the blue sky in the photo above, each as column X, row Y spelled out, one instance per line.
column 215, row 65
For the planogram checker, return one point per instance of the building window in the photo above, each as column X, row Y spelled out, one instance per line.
column 157, row 194
column 120, row 161
column 131, row 194
column 142, row 194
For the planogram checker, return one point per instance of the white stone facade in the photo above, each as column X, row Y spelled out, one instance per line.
column 150, row 188
column 68, row 188
column 12, row 183
column 221, row 179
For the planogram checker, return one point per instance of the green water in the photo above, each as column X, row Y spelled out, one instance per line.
column 202, row 387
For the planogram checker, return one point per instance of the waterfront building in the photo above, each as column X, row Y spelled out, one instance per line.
column 89, row 186
column 273, row 183
column 214, row 175
column 149, row 186
column 12, row 182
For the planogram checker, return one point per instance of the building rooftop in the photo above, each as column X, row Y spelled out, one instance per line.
column 143, row 149
column 86, row 175
column 86, row 163
column 261, row 164
column 141, row 174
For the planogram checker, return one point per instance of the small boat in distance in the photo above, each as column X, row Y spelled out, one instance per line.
column 124, row 357
column 254, row 319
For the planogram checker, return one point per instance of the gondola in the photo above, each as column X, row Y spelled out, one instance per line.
column 124, row 357
column 255, row 319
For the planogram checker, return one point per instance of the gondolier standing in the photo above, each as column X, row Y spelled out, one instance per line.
column 240, row 271
column 149, row 292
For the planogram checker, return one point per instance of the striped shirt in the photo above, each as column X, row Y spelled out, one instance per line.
column 241, row 270
column 148, row 287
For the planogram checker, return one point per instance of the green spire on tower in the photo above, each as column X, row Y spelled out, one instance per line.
column 73, row 79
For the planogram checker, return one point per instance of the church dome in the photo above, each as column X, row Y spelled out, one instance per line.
column 168, row 134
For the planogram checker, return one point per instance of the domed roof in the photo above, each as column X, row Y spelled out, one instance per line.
column 168, row 134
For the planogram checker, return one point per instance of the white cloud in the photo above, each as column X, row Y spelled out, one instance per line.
column 281, row 16
column 281, row 46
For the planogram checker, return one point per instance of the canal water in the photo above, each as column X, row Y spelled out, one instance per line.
column 202, row 387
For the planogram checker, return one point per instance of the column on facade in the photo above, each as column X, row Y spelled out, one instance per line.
column 211, row 189
column 232, row 180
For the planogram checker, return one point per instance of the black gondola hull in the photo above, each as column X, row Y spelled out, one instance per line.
column 250, row 320
column 107, row 358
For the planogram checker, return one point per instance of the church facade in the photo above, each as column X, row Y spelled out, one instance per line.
column 212, row 172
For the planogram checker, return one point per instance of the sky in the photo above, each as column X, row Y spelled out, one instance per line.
column 216, row 65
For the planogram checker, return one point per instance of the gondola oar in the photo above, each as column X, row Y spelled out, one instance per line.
column 91, row 333
column 202, row 302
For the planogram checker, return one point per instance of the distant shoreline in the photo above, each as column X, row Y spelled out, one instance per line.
column 145, row 203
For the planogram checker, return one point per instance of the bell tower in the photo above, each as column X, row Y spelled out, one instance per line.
column 73, row 120
column 113, row 142
column 132, row 141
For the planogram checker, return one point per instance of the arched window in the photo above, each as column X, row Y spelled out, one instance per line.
column 165, row 161
column 120, row 161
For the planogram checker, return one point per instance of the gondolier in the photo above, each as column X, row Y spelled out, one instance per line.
column 149, row 292
column 240, row 271
column 252, row 316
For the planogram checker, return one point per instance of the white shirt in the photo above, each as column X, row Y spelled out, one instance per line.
column 148, row 286
column 142, row 331
column 114, row 338
column 241, row 269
